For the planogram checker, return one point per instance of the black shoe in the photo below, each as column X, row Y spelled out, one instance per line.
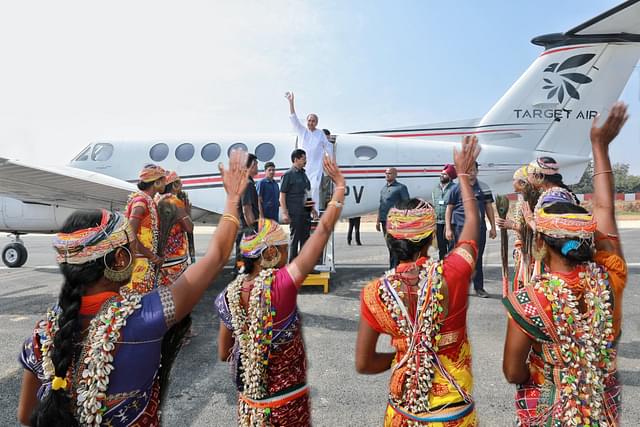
column 349, row 242
column 482, row 293
column 358, row 243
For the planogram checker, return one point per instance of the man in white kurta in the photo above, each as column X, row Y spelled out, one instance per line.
column 314, row 142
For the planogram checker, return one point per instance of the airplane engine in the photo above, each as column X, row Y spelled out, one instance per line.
column 18, row 218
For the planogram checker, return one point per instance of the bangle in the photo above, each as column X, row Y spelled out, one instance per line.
column 463, row 174
column 468, row 199
column 340, row 187
column 601, row 172
column 335, row 203
column 231, row 218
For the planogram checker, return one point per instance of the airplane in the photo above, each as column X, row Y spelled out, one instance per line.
column 547, row 111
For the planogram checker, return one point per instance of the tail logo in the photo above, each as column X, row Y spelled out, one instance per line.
column 562, row 78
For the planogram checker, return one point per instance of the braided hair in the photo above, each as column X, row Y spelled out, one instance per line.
column 56, row 408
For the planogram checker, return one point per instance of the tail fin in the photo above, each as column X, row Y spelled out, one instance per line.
column 580, row 74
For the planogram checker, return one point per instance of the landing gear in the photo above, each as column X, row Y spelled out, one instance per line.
column 14, row 255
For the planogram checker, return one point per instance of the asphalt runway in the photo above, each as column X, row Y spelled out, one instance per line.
column 202, row 393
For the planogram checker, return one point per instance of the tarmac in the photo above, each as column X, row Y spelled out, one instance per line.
column 202, row 393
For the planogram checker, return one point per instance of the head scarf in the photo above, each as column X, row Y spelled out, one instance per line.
column 270, row 233
column 451, row 171
column 92, row 243
column 521, row 174
column 566, row 225
column 542, row 167
column 412, row 224
column 172, row 176
column 151, row 173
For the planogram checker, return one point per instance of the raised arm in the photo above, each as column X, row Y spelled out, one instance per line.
column 295, row 122
column 603, row 182
column 191, row 285
column 306, row 259
column 465, row 161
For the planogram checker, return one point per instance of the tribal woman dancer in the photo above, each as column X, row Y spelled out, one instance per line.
column 175, row 223
column 422, row 305
column 522, row 264
column 93, row 360
column 564, row 327
column 260, row 328
column 142, row 213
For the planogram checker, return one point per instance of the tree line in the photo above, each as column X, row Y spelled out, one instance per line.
column 625, row 182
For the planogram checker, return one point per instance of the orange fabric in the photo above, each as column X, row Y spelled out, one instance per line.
column 91, row 303
column 617, row 269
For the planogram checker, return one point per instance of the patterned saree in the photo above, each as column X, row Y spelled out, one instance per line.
column 272, row 380
column 429, row 335
column 571, row 317
column 175, row 248
column 143, row 279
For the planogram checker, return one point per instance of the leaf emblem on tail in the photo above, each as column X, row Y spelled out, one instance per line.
column 562, row 83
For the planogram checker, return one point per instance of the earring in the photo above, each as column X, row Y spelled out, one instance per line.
column 539, row 254
column 270, row 263
column 118, row 276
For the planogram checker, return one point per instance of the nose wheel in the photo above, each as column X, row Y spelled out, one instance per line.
column 14, row 255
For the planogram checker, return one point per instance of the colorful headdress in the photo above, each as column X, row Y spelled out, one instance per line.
column 521, row 174
column 412, row 224
column 151, row 173
column 566, row 225
column 543, row 167
column 89, row 244
column 270, row 233
column 172, row 176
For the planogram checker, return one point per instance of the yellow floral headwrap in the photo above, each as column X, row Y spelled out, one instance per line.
column 521, row 174
column 270, row 233
column 412, row 224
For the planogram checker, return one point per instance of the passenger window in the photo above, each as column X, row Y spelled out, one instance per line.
column 184, row 152
column 364, row 152
column 159, row 152
column 84, row 154
column 102, row 152
column 210, row 152
column 265, row 152
column 237, row 146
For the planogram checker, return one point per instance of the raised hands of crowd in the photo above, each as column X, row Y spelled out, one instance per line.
column 603, row 135
column 235, row 177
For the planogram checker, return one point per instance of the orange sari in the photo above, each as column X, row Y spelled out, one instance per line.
column 449, row 396
column 143, row 279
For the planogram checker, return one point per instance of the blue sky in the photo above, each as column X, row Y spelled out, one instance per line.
column 76, row 71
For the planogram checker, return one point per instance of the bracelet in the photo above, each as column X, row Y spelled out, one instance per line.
column 341, row 187
column 469, row 199
column 463, row 174
column 601, row 172
column 335, row 203
column 185, row 217
column 231, row 218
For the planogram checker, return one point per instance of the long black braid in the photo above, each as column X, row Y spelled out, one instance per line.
column 56, row 409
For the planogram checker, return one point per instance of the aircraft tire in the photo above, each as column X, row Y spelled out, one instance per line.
column 14, row 255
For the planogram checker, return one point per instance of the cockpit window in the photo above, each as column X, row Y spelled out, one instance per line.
column 159, row 152
column 210, row 152
column 84, row 154
column 102, row 152
column 184, row 152
column 265, row 151
column 237, row 146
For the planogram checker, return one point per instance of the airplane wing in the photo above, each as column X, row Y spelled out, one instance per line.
column 62, row 186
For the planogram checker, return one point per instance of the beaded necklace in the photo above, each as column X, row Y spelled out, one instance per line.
column 585, row 341
column 95, row 363
column 253, row 332
column 421, row 332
